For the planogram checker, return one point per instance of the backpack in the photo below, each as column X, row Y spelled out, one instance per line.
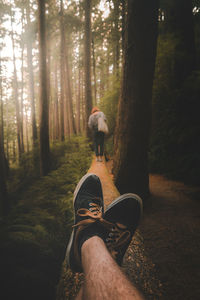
column 102, row 126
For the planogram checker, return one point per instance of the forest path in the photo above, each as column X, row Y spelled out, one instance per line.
column 171, row 231
column 110, row 192
column 163, row 258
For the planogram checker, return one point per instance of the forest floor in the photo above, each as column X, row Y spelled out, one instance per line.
column 171, row 235
column 163, row 258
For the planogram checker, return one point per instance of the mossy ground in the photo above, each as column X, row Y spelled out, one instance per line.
column 34, row 235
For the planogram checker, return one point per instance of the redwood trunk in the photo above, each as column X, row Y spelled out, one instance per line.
column 134, row 113
column 62, row 74
column 88, row 92
column 31, row 78
column 16, row 96
column 44, row 103
column 4, row 206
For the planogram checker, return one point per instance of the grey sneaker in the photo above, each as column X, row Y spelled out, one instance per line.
column 124, row 213
column 88, row 210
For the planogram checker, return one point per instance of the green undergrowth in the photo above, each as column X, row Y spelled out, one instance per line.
column 33, row 237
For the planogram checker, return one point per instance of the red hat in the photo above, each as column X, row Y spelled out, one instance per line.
column 94, row 109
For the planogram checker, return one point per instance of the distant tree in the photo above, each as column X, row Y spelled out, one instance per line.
column 78, row 100
column 44, row 103
column 16, row 95
column 134, row 111
column 68, row 91
column 62, row 73
column 88, row 91
column 116, row 34
column 4, row 205
column 56, row 127
column 29, row 39
column 22, row 86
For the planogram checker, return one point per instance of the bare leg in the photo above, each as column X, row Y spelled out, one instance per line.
column 80, row 294
column 103, row 278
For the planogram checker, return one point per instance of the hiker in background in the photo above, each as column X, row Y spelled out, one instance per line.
column 100, row 239
column 97, row 123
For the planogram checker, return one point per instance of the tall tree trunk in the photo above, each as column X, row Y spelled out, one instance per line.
column 49, row 91
column 94, row 72
column 44, row 103
column 134, row 111
column 22, row 88
column 51, row 120
column 78, row 104
column 31, row 76
column 62, row 73
column 16, row 94
column 116, row 38
column 14, row 151
column 102, row 75
column 108, row 70
column 7, row 135
column 88, row 91
column 4, row 205
column 1, row 114
column 26, row 129
column 124, row 11
column 69, row 123
column 69, row 92
column 56, row 115
column 83, row 104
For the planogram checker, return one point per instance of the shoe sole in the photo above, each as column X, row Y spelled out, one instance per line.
column 72, row 234
column 137, row 214
column 136, row 220
column 125, row 196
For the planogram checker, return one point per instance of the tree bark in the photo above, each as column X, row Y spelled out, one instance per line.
column 116, row 39
column 134, row 111
column 4, row 205
column 62, row 74
column 26, row 129
column 44, row 103
column 88, row 91
column 22, row 88
column 78, row 104
column 94, row 72
column 16, row 94
column 102, row 76
column 31, row 76
column 69, row 92
column 56, row 113
column 124, row 14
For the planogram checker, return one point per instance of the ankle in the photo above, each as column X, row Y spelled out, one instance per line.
column 94, row 239
column 93, row 232
column 91, row 243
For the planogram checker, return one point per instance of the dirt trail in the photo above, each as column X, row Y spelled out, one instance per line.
column 110, row 192
column 171, row 233
column 163, row 258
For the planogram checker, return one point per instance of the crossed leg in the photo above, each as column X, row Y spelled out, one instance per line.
column 103, row 278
